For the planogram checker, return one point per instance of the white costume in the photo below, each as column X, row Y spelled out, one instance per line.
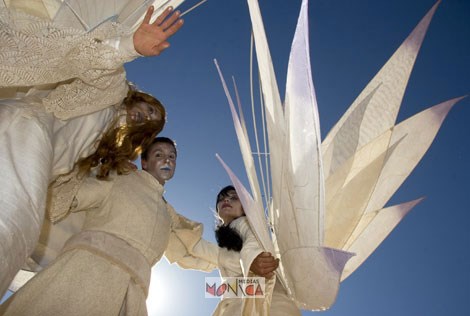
column 73, row 82
column 276, row 301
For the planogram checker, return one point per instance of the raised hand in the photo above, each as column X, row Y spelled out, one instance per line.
column 150, row 39
column 264, row 265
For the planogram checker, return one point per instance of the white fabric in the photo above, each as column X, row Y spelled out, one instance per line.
column 88, row 14
column 375, row 109
column 276, row 302
column 25, row 159
column 82, row 77
column 77, row 138
column 36, row 147
column 310, row 272
column 365, row 157
column 84, row 74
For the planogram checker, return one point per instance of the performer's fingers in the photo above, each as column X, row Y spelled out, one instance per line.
column 267, row 272
column 170, row 20
column 271, row 264
column 174, row 28
column 265, row 255
column 267, row 266
column 163, row 16
column 148, row 15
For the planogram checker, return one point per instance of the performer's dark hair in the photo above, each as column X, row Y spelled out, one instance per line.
column 226, row 236
column 229, row 238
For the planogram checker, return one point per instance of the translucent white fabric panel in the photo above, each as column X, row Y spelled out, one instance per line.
column 314, row 282
column 380, row 101
column 379, row 225
column 349, row 189
column 244, row 143
column 274, row 112
column 412, row 138
column 303, row 129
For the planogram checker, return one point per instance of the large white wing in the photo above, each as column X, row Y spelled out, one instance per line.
column 367, row 158
column 310, row 272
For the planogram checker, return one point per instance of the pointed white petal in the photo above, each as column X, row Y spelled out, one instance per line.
column 349, row 189
column 367, row 181
column 272, row 101
column 375, row 109
column 381, row 225
column 243, row 142
column 412, row 139
column 305, row 167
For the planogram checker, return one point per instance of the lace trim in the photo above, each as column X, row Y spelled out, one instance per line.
column 89, row 73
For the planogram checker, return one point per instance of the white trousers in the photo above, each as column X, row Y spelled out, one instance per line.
column 25, row 161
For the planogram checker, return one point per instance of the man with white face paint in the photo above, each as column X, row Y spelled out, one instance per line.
column 160, row 159
column 186, row 246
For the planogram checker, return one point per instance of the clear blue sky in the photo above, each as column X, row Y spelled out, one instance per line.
column 423, row 266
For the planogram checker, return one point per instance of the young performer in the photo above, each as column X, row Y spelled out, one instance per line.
column 234, row 233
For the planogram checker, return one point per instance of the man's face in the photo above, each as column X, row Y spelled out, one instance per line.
column 161, row 162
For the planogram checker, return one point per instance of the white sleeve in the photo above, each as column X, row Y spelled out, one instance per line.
column 87, row 66
column 251, row 247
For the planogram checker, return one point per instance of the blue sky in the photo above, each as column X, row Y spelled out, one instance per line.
column 422, row 268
